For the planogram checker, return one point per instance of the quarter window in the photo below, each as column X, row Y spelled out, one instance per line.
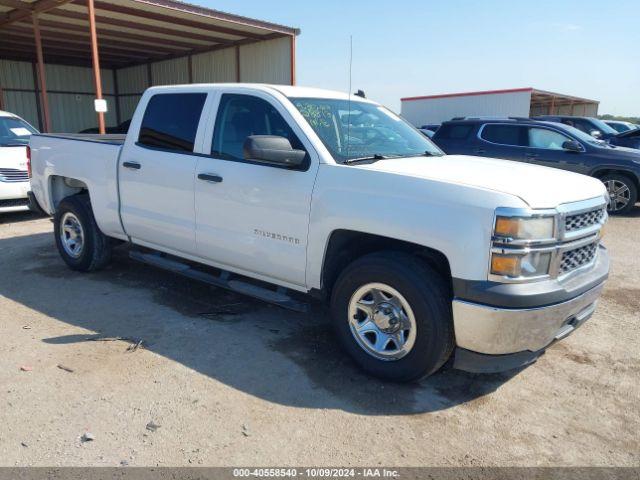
column 171, row 121
column 544, row 138
column 240, row 116
column 505, row 134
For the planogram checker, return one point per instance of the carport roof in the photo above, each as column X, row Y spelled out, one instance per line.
column 130, row 32
column 537, row 96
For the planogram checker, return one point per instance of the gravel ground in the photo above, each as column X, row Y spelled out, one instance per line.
column 222, row 380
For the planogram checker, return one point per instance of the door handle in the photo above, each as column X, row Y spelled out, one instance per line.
column 531, row 155
column 132, row 165
column 480, row 151
column 210, row 177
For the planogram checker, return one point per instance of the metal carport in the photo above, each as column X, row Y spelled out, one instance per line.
column 56, row 56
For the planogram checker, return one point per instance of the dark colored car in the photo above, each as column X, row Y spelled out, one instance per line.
column 430, row 126
column 598, row 129
column 549, row 144
column 123, row 128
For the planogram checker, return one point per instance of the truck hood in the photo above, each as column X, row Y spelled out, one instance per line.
column 539, row 187
column 13, row 157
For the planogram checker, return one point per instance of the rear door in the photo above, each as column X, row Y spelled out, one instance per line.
column 545, row 148
column 456, row 138
column 499, row 140
column 254, row 217
column 156, row 172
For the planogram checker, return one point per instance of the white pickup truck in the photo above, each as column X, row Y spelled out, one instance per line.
column 274, row 190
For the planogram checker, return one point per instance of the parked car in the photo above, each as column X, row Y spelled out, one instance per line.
column 620, row 126
column 551, row 145
column 427, row 133
column 123, row 128
column 430, row 126
column 598, row 129
column 420, row 255
column 14, row 179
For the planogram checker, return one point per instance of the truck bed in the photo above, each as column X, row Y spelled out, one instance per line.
column 65, row 164
column 115, row 139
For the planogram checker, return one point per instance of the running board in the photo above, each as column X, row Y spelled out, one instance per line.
column 277, row 297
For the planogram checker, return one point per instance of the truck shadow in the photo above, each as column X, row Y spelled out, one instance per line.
column 277, row 355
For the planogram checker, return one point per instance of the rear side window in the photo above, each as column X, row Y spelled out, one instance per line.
column 171, row 121
column 505, row 134
column 240, row 116
column 454, row 132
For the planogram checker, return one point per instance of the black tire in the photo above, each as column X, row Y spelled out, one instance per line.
column 96, row 249
column 429, row 299
column 632, row 194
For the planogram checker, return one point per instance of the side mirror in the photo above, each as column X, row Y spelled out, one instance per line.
column 273, row 150
column 596, row 134
column 572, row 146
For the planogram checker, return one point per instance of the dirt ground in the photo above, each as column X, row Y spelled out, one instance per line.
column 222, row 380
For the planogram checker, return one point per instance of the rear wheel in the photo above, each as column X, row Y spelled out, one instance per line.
column 80, row 242
column 392, row 313
column 623, row 193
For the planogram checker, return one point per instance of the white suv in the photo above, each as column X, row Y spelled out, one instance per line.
column 14, row 178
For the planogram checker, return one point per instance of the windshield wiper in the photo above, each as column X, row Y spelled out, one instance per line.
column 426, row 154
column 13, row 144
column 375, row 157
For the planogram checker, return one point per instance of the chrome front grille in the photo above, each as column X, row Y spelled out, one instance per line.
column 13, row 175
column 578, row 257
column 584, row 220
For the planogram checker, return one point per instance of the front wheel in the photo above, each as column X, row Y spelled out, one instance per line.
column 80, row 242
column 392, row 313
column 623, row 193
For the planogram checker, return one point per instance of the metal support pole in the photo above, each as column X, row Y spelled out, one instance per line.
column 116, row 94
column 237, row 63
column 96, row 62
column 293, row 59
column 44, row 100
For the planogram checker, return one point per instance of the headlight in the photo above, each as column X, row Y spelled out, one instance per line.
column 520, row 228
column 527, row 265
column 514, row 239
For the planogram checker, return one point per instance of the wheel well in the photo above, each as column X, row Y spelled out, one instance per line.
column 63, row 187
column 612, row 171
column 345, row 246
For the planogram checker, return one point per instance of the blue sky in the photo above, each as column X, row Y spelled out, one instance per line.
column 404, row 48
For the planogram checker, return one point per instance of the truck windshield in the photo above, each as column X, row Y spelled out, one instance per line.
column 358, row 130
column 14, row 132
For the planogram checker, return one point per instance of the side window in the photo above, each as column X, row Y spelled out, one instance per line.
column 240, row 116
column 171, row 121
column 505, row 134
column 454, row 132
column 580, row 124
column 544, row 138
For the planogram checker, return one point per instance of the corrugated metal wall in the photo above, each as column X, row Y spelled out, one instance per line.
column 71, row 95
column 71, row 90
column 437, row 110
column 19, row 75
column 266, row 62
column 215, row 67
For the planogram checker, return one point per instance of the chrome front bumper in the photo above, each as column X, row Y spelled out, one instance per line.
column 498, row 331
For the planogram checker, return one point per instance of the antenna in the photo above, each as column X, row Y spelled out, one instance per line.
column 349, row 94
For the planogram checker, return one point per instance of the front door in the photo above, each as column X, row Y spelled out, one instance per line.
column 252, row 217
column 156, row 173
column 545, row 148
